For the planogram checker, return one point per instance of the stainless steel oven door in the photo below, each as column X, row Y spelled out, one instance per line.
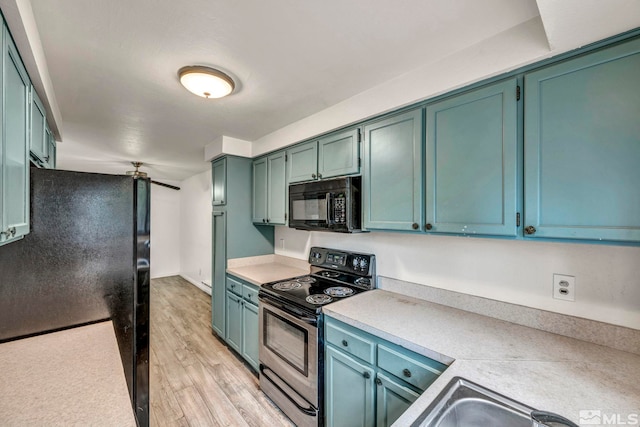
column 289, row 348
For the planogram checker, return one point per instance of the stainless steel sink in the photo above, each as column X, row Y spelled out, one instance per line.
column 466, row 404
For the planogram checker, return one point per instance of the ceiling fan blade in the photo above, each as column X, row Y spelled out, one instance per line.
column 173, row 187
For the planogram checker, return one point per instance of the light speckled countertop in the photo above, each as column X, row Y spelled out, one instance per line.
column 67, row 378
column 540, row 369
column 267, row 268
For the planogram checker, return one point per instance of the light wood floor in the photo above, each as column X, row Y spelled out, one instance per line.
column 194, row 379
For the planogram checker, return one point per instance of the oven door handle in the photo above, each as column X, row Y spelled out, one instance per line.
column 308, row 411
column 295, row 313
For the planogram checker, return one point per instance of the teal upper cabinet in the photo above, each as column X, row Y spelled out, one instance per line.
column 582, row 147
column 472, row 162
column 302, row 162
column 339, row 154
column 51, row 140
column 39, row 143
column 270, row 189
column 276, row 188
column 14, row 153
column 392, row 181
column 259, row 188
column 219, row 176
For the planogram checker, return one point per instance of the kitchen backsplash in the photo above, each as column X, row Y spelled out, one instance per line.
column 607, row 277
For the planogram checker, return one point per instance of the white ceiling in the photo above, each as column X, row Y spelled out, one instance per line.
column 113, row 66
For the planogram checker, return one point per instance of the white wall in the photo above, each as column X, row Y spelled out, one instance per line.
column 519, row 272
column 165, row 235
column 195, row 230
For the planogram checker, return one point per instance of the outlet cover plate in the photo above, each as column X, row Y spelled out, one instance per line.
column 564, row 287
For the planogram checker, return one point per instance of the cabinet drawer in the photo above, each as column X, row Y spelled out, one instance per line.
column 234, row 286
column 414, row 369
column 350, row 343
column 250, row 293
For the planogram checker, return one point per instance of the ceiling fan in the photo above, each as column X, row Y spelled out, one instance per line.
column 139, row 174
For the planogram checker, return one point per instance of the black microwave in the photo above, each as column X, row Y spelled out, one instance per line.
column 328, row 205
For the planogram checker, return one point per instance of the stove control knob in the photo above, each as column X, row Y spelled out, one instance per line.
column 355, row 263
column 363, row 263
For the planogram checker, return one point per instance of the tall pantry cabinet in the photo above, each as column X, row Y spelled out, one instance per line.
column 234, row 234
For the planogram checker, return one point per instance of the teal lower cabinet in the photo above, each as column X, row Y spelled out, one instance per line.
column 250, row 334
column 393, row 397
column 242, row 319
column 368, row 380
column 349, row 390
column 234, row 321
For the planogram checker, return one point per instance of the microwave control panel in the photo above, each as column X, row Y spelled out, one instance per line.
column 340, row 209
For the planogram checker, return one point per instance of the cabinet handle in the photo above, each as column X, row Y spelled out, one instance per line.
column 428, row 226
column 367, row 375
column 378, row 381
column 313, row 175
column 345, row 343
column 406, row 373
column 530, row 229
column 319, row 175
column 267, row 219
column 264, row 220
column 415, row 226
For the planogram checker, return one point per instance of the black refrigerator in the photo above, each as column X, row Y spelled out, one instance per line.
column 85, row 260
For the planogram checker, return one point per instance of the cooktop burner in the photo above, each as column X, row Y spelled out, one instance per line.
column 306, row 279
column 318, row 299
column 329, row 274
column 363, row 281
column 287, row 286
column 339, row 291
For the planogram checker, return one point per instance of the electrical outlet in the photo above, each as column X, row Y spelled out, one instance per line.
column 564, row 287
column 282, row 244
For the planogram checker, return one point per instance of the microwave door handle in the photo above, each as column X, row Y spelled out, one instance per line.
column 329, row 216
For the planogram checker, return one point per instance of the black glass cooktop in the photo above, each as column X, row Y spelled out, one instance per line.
column 309, row 291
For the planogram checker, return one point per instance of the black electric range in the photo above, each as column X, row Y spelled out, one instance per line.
column 335, row 275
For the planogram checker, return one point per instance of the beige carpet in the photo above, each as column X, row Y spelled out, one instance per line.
column 67, row 378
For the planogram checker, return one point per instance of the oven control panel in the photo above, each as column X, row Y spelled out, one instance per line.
column 350, row 262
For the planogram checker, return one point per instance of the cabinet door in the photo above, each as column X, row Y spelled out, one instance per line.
column 277, row 189
column 472, row 162
column 234, row 321
column 14, row 158
column 250, row 334
column 582, row 147
column 260, row 186
column 339, row 154
column 392, row 399
column 393, row 173
column 51, row 163
column 302, row 162
column 38, row 138
column 219, row 177
column 349, row 391
column 219, row 266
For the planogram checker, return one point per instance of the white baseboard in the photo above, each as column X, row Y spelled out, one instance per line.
column 196, row 283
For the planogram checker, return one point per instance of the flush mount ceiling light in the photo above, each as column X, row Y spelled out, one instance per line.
column 205, row 81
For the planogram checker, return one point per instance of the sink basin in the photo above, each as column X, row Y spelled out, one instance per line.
column 466, row 404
